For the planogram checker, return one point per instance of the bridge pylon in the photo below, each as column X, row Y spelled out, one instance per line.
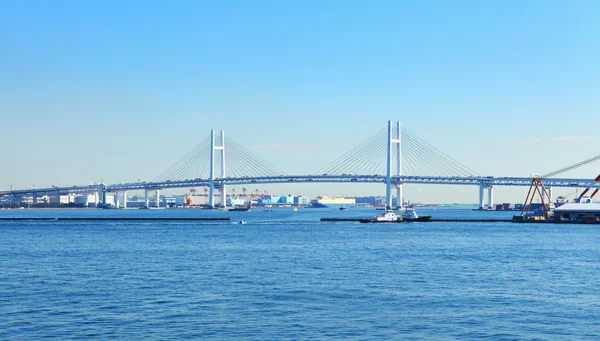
column 213, row 147
column 391, row 141
column 399, row 194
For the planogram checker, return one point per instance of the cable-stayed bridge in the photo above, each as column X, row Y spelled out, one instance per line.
column 393, row 156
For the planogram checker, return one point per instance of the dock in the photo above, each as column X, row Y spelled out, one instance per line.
column 109, row 219
column 445, row 220
column 467, row 220
column 341, row 219
column 577, row 221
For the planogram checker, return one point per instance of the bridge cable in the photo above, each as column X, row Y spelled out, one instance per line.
column 247, row 165
column 253, row 161
column 425, row 158
column 350, row 154
column 422, row 158
column 571, row 167
column 449, row 161
column 348, row 159
column 359, row 157
column 178, row 164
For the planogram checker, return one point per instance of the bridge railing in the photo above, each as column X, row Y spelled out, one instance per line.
column 345, row 178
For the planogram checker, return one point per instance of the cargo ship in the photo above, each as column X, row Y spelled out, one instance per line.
column 321, row 202
column 242, row 208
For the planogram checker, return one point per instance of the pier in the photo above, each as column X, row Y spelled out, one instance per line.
column 467, row 220
column 110, row 219
column 454, row 220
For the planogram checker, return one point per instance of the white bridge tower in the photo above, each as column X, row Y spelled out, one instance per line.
column 388, row 177
column 213, row 147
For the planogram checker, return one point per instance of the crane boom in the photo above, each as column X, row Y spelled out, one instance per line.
column 571, row 167
column 595, row 184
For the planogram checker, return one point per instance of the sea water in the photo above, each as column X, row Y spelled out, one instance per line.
column 286, row 276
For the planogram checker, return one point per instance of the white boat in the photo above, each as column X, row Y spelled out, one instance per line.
column 409, row 214
column 388, row 217
column 242, row 222
column 295, row 209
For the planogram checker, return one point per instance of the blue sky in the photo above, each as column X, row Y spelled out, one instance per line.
column 119, row 90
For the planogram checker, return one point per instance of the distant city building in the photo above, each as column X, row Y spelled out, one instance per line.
column 286, row 199
column 300, row 200
column 370, row 200
column 63, row 199
column 92, row 200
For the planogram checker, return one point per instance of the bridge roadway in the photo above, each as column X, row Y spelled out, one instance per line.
column 485, row 181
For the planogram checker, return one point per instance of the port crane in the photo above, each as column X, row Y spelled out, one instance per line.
column 595, row 185
column 537, row 187
column 253, row 194
column 188, row 200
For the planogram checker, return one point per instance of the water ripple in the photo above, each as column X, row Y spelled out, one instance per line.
column 298, row 280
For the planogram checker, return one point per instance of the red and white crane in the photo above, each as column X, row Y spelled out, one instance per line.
column 595, row 185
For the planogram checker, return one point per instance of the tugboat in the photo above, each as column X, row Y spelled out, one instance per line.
column 388, row 217
column 410, row 215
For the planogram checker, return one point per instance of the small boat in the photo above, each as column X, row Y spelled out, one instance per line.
column 388, row 217
column 343, row 208
column 410, row 215
column 295, row 209
column 242, row 222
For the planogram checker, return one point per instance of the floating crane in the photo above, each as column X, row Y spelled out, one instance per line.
column 537, row 187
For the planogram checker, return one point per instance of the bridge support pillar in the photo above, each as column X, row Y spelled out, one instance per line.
column 211, row 185
column 224, row 188
column 101, row 195
column 388, row 176
column 490, row 197
column 481, row 199
column 398, row 142
column 124, row 199
column 399, row 196
column 146, row 203
column 211, row 194
column 157, row 198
